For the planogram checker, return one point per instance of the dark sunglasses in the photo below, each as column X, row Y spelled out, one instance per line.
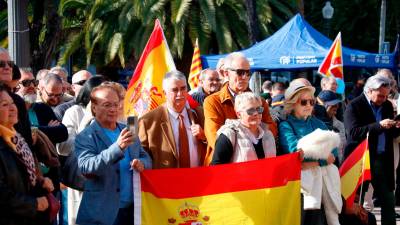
column 3, row 63
column 253, row 111
column 241, row 72
column 81, row 82
column 27, row 83
column 304, row 102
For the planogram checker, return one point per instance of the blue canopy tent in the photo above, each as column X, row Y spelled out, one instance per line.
column 298, row 45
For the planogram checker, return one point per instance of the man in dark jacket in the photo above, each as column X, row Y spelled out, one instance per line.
column 370, row 116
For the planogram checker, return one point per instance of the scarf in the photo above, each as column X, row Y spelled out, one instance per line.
column 17, row 143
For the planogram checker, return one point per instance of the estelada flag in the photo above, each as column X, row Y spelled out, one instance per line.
column 333, row 62
column 144, row 91
column 195, row 68
column 354, row 171
column 263, row 191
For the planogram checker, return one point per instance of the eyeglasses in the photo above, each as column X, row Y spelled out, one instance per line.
column 177, row 89
column 3, row 63
column 81, row 82
column 253, row 111
column 303, row 102
column 53, row 95
column 214, row 80
column 110, row 105
column 241, row 72
column 27, row 83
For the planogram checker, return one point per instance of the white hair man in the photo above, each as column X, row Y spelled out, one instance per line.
column 209, row 83
column 172, row 133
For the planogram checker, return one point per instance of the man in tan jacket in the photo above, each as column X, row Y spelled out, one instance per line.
column 220, row 106
column 172, row 133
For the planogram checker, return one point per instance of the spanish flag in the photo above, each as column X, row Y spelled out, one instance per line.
column 195, row 68
column 354, row 171
column 144, row 91
column 264, row 191
column 333, row 62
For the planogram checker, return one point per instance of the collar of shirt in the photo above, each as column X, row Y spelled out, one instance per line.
column 254, row 139
column 175, row 115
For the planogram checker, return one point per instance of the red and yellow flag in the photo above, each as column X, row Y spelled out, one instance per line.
column 144, row 91
column 195, row 68
column 354, row 171
column 258, row 192
column 333, row 62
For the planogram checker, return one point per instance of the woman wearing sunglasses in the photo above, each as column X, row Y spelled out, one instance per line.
column 246, row 138
column 299, row 104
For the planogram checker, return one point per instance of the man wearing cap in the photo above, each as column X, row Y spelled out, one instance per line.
column 220, row 106
column 370, row 115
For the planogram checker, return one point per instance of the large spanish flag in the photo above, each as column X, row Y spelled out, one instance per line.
column 195, row 68
column 145, row 88
column 354, row 171
column 333, row 62
column 258, row 192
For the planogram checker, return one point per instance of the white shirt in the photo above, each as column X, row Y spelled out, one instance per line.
column 174, row 120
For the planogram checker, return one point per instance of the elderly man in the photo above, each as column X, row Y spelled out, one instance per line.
column 371, row 115
column 106, row 152
column 78, row 80
column 23, row 126
column 209, row 84
column 329, row 84
column 51, row 92
column 40, row 114
column 172, row 133
column 63, row 73
column 220, row 106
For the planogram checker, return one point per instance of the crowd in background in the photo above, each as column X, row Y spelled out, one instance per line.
column 70, row 141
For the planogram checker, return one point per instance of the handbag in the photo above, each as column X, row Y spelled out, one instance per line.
column 54, row 206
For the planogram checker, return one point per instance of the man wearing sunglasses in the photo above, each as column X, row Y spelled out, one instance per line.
column 220, row 106
column 40, row 114
column 51, row 93
column 78, row 80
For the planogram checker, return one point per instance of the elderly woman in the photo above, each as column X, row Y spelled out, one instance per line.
column 299, row 102
column 246, row 138
column 20, row 182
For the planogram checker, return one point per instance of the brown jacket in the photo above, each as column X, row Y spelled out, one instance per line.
column 157, row 138
column 217, row 108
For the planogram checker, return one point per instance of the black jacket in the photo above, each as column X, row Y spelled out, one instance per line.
column 44, row 114
column 17, row 198
column 359, row 120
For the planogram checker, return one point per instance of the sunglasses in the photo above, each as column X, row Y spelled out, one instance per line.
column 27, row 83
column 304, row 102
column 241, row 72
column 253, row 111
column 81, row 82
column 3, row 63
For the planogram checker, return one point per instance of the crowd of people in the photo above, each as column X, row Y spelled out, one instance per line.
column 70, row 141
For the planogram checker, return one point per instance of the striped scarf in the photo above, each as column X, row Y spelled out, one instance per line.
column 15, row 141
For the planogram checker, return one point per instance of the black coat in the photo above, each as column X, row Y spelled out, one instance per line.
column 44, row 114
column 17, row 198
column 359, row 120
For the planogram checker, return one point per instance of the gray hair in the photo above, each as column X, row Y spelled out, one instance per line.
column 375, row 82
column 220, row 64
column 325, row 80
column 41, row 74
column 25, row 69
column 50, row 77
column 231, row 57
column 242, row 99
column 203, row 73
column 3, row 50
column 172, row 75
column 59, row 69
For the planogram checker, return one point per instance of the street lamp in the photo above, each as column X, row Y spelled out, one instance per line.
column 327, row 13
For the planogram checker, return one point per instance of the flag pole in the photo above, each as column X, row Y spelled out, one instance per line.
column 362, row 175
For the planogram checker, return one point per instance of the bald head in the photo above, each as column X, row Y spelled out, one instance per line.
column 78, row 79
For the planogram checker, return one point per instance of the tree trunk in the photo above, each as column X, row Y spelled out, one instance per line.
column 252, row 20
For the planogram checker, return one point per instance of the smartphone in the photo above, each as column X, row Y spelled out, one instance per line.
column 131, row 124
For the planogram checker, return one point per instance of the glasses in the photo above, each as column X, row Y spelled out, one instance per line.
column 27, row 83
column 3, row 63
column 110, row 105
column 304, row 102
column 253, row 111
column 81, row 82
column 53, row 95
column 214, row 80
column 177, row 89
column 241, row 72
